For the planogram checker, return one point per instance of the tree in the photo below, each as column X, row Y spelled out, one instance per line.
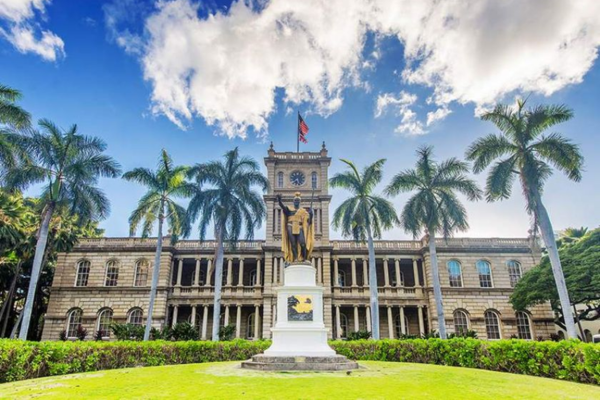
column 364, row 216
column 435, row 207
column 570, row 236
column 581, row 266
column 231, row 204
column 158, row 205
column 68, row 165
column 12, row 116
column 529, row 155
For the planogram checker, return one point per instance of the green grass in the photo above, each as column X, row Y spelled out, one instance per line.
column 378, row 380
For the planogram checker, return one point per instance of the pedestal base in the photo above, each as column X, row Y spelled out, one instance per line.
column 262, row 362
column 299, row 341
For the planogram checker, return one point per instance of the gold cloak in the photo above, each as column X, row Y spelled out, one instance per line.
column 301, row 217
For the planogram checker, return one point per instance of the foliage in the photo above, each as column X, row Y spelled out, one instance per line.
column 184, row 331
column 127, row 331
column 165, row 333
column 81, row 333
column 12, row 117
column 226, row 332
column 581, row 267
column 359, row 335
column 467, row 334
column 570, row 236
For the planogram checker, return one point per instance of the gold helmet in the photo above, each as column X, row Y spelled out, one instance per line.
column 297, row 196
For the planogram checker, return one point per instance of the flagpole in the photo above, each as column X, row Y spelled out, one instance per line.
column 298, row 134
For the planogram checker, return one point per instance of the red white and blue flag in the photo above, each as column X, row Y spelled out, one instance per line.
column 302, row 129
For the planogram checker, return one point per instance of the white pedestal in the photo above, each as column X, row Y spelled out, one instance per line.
column 294, row 335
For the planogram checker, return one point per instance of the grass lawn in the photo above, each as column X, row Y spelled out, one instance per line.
column 378, row 380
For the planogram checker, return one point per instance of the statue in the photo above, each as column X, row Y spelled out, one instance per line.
column 297, row 238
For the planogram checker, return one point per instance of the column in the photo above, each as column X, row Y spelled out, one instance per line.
column 256, row 321
column 356, row 325
column 179, row 270
column 365, row 272
column 402, row 323
column 354, row 272
column 204, row 322
column 229, row 272
column 226, row 321
column 258, row 272
column 421, row 323
column 319, row 270
column 281, row 269
column 386, row 273
column 275, row 269
column 368, row 311
column 338, row 323
column 238, row 321
column 208, row 272
column 197, row 273
column 398, row 275
column 390, row 322
column 336, row 273
column 193, row 319
column 274, row 315
column 175, row 312
column 416, row 272
column 241, row 277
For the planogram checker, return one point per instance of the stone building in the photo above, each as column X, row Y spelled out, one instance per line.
column 108, row 279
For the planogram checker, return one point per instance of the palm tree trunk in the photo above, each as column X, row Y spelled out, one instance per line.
column 7, row 305
column 437, row 290
column 561, row 286
column 218, row 284
column 40, row 249
column 155, row 271
column 373, row 286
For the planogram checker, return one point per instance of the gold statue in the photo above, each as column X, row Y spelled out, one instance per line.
column 297, row 238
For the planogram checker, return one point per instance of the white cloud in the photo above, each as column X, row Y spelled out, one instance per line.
column 23, row 32
column 228, row 66
column 400, row 106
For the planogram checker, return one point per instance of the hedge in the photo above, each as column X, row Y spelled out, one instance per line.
column 567, row 360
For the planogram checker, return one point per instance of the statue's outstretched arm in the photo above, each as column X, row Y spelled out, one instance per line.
column 285, row 209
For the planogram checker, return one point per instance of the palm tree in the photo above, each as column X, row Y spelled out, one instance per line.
column 158, row 204
column 570, row 236
column 12, row 116
column 68, row 165
column 231, row 204
column 434, row 208
column 529, row 155
column 363, row 217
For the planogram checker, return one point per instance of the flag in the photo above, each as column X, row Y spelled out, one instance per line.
column 302, row 129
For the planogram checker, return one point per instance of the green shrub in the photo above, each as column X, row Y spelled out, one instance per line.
column 127, row 331
column 359, row 335
column 226, row 332
column 184, row 331
column 166, row 333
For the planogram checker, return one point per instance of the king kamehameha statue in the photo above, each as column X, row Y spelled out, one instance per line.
column 297, row 239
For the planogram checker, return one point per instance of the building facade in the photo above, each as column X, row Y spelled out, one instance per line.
column 108, row 279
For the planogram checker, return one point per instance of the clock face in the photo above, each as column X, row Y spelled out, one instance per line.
column 297, row 178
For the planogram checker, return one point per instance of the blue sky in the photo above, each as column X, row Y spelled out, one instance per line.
column 201, row 78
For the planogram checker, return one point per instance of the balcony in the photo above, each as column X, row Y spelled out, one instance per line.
column 391, row 292
column 240, row 292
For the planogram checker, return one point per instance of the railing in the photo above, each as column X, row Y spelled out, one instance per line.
column 392, row 291
column 192, row 291
column 382, row 244
column 152, row 242
column 441, row 243
column 297, row 156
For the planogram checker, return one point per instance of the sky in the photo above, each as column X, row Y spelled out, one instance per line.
column 373, row 79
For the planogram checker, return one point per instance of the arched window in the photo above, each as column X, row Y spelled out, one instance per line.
column 514, row 272
column 454, row 273
column 343, row 325
column 141, row 273
column 112, row 273
column 588, row 336
column 314, row 180
column 104, row 320
column 250, row 326
column 485, row 274
column 135, row 316
column 461, row 322
column 83, row 273
column 280, row 179
column 341, row 278
column 492, row 324
column 74, row 318
column 524, row 326
column 398, row 327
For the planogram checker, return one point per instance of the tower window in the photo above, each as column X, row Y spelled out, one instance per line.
column 314, row 180
column 280, row 179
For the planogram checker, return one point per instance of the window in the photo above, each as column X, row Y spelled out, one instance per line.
column 485, row 274
column 454, row 273
column 523, row 326
column 398, row 327
column 492, row 324
column 253, row 278
column 141, row 273
column 83, row 273
column 112, row 273
column 514, row 272
column 280, row 179
column 134, row 317
column 394, row 283
column 74, row 322
column 314, row 180
column 250, row 326
column 461, row 322
column 104, row 320
column 341, row 278
column 343, row 325
column 588, row 336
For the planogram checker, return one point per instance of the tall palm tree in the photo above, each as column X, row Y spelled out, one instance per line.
column 164, row 185
column 68, row 165
column 570, row 236
column 13, row 117
column 529, row 155
column 363, row 217
column 434, row 208
column 231, row 204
